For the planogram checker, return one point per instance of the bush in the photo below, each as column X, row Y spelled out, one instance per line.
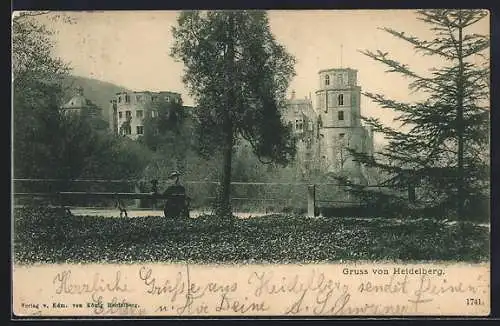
column 53, row 236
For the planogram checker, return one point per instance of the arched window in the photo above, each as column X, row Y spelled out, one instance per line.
column 340, row 99
column 327, row 80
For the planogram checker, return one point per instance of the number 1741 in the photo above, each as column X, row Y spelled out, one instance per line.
column 473, row 301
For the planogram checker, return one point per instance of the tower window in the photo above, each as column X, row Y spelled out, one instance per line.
column 340, row 99
column 327, row 80
column 341, row 115
column 127, row 98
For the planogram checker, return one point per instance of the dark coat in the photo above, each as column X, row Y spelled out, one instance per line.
column 176, row 204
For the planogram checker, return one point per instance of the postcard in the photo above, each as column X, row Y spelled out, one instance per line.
column 251, row 163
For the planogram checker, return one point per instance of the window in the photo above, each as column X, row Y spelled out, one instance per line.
column 340, row 99
column 167, row 98
column 127, row 130
column 153, row 114
column 138, row 98
column 140, row 130
column 154, row 98
column 119, row 99
column 327, row 80
column 120, row 115
column 138, row 113
column 340, row 80
column 341, row 115
column 127, row 98
column 341, row 136
column 128, row 114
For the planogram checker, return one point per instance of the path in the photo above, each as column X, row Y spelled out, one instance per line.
column 106, row 212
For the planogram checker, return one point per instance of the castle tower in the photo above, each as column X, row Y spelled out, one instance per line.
column 338, row 107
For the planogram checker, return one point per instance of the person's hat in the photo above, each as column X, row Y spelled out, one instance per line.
column 174, row 174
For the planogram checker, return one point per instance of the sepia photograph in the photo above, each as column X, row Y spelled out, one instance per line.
column 251, row 162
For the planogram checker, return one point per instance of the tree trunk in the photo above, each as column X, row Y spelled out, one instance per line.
column 460, row 127
column 224, row 206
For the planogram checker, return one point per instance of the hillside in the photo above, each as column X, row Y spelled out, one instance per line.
column 97, row 91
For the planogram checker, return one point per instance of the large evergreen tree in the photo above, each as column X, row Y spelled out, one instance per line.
column 444, row 148
column 238, row 75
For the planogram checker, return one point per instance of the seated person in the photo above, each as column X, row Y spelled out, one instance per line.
column 177, row 201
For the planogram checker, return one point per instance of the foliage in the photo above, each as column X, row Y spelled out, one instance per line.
column 445, row 146
column 238, row 74
column 48, row 236
column 167, row 132
column 36, row 95
column 47, row 143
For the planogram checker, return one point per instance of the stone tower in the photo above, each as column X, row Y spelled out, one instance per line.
column 338, row 107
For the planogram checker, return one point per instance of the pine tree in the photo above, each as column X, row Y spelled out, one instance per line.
column 238, row 75
column 445, row 146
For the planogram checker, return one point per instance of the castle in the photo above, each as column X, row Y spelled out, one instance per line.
column 128, row 110
column 325, row 132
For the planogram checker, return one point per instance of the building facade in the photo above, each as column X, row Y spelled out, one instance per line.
column 303, row 119
column 336, row 125
column 128, row 110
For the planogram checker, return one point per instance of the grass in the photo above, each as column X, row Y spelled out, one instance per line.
column 53, row 236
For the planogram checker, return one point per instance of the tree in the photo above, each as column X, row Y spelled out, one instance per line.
column 48, row 143
column 238, row 75
column 445, row 147
column 37, row 94
column 167, row 133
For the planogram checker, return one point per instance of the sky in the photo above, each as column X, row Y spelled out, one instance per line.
column 131, row 49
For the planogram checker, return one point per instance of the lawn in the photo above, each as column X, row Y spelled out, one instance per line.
column 53, row 236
